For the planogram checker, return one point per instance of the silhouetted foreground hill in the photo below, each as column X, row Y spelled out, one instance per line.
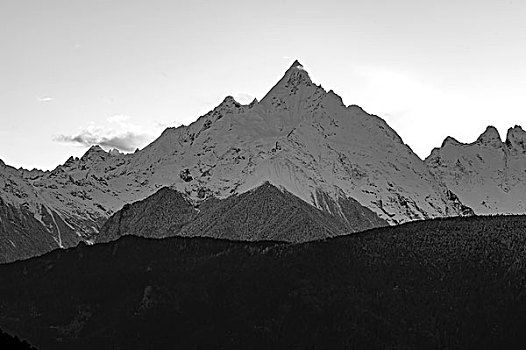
column 450, row 283
column 264, row 213
column 9, row 342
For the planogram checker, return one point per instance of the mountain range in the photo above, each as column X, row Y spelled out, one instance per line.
column 487, row 175
column 300, row 148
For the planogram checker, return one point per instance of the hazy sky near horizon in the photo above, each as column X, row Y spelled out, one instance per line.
column 79, row 72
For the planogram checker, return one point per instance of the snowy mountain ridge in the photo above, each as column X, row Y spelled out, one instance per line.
column 488, row 174
column 298, row 137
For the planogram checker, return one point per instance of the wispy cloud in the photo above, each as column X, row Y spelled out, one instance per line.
column 126, row 142
column 118, row 132
column 244, row 98
column 118, row 118
column 45, row 99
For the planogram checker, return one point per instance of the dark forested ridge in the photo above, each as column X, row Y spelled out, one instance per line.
column 9, row 342
column 446, row 283
column 265, row 213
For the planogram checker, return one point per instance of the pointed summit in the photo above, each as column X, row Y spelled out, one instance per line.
column 296, row 64
column 297, row 67
column 93, row 151
column 295, row 78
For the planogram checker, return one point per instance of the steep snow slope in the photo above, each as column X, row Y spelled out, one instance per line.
column 29, row 226
column 487, row 175
column 299, row 137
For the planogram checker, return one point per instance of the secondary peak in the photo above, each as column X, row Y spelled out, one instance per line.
column 491, row 135
column 93, row 150
column 229, row 102
column 450, row 141
column 516, row 138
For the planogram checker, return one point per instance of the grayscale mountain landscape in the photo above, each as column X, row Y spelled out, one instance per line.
column 298, row 166
column 247, row 175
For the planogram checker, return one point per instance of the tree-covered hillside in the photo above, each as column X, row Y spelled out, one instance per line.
column 265, row 213
column 448, row 283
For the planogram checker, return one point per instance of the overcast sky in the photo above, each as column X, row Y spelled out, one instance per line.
column 76, row 72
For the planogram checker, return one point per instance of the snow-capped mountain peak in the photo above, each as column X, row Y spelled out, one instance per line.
column 299, row 137
column 305, row 140
column 293, row 83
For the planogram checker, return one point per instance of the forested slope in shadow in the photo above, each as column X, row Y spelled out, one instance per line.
column 447, row 283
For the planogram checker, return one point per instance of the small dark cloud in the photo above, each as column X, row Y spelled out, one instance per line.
column 126, row 142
